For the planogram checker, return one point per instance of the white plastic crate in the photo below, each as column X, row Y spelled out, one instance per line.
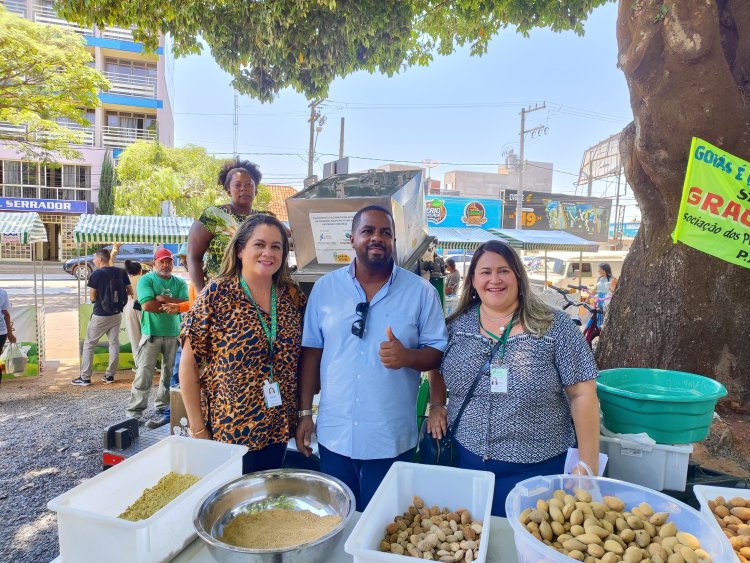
column 441, row 486
column 664, row 467
column 705, row 493
column 87, row 522
column 526, row 493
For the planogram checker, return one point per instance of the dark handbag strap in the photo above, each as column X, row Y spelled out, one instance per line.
column 484, row 368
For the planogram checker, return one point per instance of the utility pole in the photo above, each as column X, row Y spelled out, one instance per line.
column 235, row 146
column 341, row 140
column 314, row 116
column 534, row 130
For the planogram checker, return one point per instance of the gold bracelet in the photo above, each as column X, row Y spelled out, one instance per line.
column 199, row 431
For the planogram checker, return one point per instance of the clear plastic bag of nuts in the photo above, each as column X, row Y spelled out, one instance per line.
column 434, row 534
column 607, row 532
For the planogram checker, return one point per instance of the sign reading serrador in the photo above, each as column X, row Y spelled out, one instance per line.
column 714, row 212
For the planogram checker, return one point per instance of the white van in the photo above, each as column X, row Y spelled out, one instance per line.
column 567, row 268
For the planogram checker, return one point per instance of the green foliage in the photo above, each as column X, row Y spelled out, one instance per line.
column 149, row 173
column 106, row 187
column 262, row 198
column 268, row 45
column 43, row 79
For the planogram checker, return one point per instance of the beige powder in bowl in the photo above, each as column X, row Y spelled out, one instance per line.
column 277, row 528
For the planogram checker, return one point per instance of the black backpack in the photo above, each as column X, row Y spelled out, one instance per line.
column 113, row 295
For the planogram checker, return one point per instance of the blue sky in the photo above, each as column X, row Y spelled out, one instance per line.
column 462, row 111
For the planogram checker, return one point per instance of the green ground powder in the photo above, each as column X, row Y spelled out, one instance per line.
column 154, row 499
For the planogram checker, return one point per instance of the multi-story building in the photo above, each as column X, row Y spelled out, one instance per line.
column 137, row 106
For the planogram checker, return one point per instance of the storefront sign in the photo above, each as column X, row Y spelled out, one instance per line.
column 463, row 212
column 43, row 205
column 714, row 212
column 586, row 217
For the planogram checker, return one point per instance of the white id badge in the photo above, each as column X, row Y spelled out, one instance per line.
column 271, row 394
column 499, row 379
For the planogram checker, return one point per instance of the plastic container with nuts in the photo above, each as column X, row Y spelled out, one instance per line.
column 728, row 510
column 592, row 526
column 468, row 494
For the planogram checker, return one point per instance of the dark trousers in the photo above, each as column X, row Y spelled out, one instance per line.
column 270, row 457
column 362, row 476
column 508, row 474
column 2, row 343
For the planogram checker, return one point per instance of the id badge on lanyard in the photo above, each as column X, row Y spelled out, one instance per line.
column 271, row 394
column 499, row 379
column 271, row 390
column 499, row 372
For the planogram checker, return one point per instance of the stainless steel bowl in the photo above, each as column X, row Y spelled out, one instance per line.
column 295, row 489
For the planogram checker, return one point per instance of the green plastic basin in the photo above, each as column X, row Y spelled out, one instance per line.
column 672, row 407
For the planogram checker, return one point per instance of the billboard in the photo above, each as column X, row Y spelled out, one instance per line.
column 463, row 212
column 586, row 217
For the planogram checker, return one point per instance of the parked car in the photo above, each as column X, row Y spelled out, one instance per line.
column 82, row 266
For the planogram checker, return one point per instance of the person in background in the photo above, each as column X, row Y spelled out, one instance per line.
column 607, row 282
column 159, row 330
column 132, row 311
column 453, row 278
column 241, row 343
column 6, row 325
column 543, row 400
column 113, row 254
column 180, row 308
column 370, row 330
column 210, row 234
column 105, row 319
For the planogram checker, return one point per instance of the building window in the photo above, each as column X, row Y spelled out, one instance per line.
column 32, row 180
column 130, row 120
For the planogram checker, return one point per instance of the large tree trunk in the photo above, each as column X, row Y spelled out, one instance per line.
column 687, row 64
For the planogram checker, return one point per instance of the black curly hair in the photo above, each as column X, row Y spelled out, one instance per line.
column 231, row 166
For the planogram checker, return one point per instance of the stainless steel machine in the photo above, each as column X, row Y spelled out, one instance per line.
column 320, row 218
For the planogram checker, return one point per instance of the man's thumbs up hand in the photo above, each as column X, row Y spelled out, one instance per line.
column 393, row 355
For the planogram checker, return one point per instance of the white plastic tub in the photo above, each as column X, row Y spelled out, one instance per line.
column 526, row 493
column 442, row 486
column 87, row 522
column 705, row 493
column 664, row 467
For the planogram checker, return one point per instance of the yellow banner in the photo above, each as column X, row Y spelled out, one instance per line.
column 714, row 212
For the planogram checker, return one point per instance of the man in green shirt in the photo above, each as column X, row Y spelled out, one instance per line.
column 159, row 330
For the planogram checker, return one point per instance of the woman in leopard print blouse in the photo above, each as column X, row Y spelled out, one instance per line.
column 233, row 367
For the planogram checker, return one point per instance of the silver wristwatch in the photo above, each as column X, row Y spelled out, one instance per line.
column 307, row 412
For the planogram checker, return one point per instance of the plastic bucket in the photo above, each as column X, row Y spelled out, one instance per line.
column 672, row 407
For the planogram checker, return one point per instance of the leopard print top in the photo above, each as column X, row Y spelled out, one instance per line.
column 228, row 342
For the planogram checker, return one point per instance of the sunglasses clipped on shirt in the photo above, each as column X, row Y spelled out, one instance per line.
column 358, row 326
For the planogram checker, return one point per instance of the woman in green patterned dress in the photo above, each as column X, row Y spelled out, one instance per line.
column 210, row 234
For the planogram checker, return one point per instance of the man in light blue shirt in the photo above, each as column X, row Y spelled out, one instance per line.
column 370, row 329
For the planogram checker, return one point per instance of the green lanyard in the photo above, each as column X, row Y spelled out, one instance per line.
column 503, row 339
column 270, row 334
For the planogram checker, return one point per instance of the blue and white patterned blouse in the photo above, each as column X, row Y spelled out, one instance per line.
column 532, row 421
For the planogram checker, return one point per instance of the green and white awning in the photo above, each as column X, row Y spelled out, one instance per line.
column 21, row 228
column 558, row 241
column 468, row 238
column 108, row 229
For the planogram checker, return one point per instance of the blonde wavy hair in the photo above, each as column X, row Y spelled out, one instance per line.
column 231, row 264
column 536, row 315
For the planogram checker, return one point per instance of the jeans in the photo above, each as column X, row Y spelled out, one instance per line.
column 148, row 351
column 508, row 474
column 98, row 327
column 362, row 476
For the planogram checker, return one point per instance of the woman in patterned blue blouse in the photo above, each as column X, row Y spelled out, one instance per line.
column 537, row 393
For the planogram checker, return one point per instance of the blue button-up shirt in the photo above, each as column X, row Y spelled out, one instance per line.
column 366, row 410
